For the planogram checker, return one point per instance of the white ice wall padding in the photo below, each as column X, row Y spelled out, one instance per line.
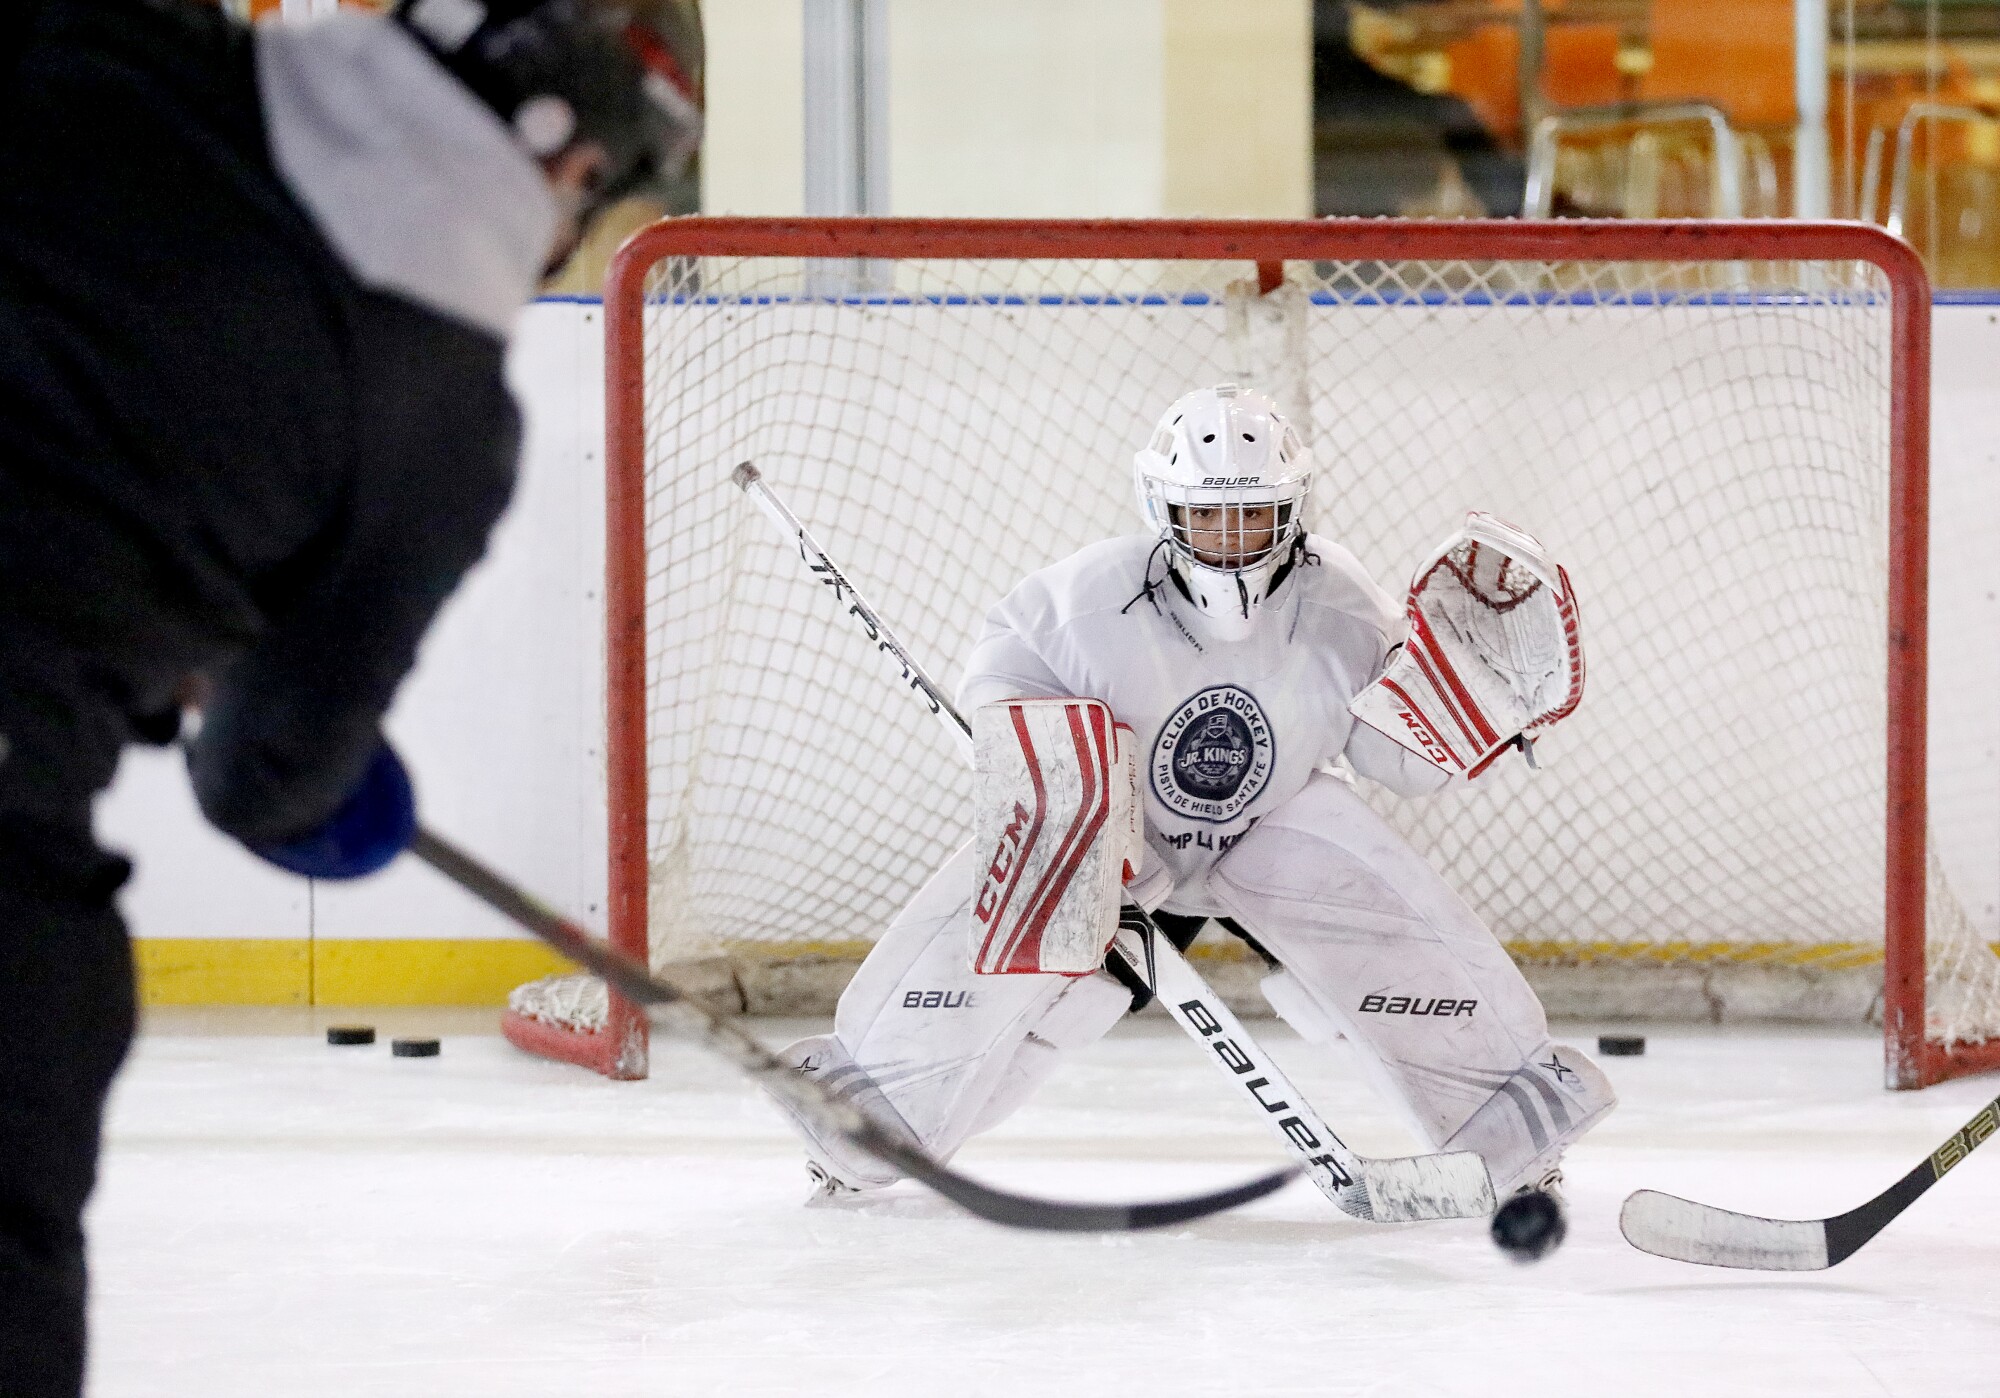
column 1705, row 449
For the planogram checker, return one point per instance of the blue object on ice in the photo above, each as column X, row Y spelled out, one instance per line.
column 374, row 824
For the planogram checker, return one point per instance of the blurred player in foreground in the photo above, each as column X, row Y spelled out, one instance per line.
column 255, row 291
column 1243, row 654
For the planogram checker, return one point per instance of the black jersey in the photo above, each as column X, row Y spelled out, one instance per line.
column 219, row 449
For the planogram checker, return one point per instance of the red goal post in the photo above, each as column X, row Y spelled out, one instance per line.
column 1264, row 253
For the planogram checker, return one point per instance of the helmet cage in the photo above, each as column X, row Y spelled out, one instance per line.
column 1242, row 550
column 1227, row 449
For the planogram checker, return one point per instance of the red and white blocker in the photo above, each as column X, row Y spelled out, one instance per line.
column 1056, row 822
column 1373, row 945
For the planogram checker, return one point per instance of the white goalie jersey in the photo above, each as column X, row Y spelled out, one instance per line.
column 1226, row 731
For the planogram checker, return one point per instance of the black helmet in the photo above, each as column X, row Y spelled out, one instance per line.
column 562, row 71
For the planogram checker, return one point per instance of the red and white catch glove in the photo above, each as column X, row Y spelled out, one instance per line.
column 1494, row 653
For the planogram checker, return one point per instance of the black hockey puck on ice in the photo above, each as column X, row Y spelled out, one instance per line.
column 414, row 1048
column 351, row 1034
column 1621, row 1045
column 1529, row 1226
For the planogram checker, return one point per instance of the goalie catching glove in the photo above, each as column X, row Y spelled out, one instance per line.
column 1494, row 652
column 1057, row 826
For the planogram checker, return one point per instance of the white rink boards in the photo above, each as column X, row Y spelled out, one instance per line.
column 280, row 1217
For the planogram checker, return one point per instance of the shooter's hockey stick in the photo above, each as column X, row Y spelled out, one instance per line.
column 1393, row 1190
column 1669, row 1226
column 689, row 1018
column 673, row 1011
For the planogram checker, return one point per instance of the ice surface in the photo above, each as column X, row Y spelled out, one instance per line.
column 278, row 1217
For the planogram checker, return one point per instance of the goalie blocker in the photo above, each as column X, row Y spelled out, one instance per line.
column 1494, row 651
column 1056, row 825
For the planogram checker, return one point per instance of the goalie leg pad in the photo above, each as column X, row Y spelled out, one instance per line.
column 825, row 1058
column 952, row 1053
column 1083, row 1015
column 1294, row 1004
column 1533, row 1114
column 1400, row 965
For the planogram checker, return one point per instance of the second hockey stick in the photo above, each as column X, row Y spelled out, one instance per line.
column 671, row 1010
column 1667, row 1225
column 1387, row 1190
column 674, row 1011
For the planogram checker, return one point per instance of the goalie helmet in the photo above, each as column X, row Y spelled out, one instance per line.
column 1218, row 458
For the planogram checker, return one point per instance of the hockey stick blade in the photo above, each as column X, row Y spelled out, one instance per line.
column 1669, row 1226
column 1411, row 1188
column 1685, row 1231
column 689, row 1018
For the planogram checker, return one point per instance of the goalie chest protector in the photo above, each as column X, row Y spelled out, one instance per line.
column 1056, row 822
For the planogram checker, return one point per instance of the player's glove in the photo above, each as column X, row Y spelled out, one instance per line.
column 376, row 822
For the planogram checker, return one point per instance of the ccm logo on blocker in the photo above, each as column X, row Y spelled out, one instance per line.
column 1411, row 1005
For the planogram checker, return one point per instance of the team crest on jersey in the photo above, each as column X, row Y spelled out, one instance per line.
column 1213, row 755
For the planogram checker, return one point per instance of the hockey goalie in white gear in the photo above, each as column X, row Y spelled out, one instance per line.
column 1234, row 672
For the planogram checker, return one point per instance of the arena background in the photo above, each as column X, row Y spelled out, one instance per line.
column 1066, row 108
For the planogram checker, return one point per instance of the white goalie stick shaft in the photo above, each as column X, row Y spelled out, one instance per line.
column 747, row 477
column 1667, row 1225
column 671, row 1010
column 1391, row 1190
column 1397, row 1189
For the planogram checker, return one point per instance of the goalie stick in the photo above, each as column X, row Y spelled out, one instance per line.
column 1401, row 1189
column 672, row 1010
column 1669, row 1226
column 1381, row 1190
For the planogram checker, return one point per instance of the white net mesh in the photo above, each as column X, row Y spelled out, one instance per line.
column 1705, row 448
column 576, row 1001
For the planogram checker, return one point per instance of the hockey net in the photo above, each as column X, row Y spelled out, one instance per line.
column 1719, row 429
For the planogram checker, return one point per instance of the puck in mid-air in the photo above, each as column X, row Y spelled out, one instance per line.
column 1529, row 1226
column 1621, row 1045
column 351, row 1034
column 414, row 1048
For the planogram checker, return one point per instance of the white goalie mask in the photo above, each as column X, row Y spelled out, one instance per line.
column 1224, row 483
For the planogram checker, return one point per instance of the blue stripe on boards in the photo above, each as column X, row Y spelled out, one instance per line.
column 1423, row 299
